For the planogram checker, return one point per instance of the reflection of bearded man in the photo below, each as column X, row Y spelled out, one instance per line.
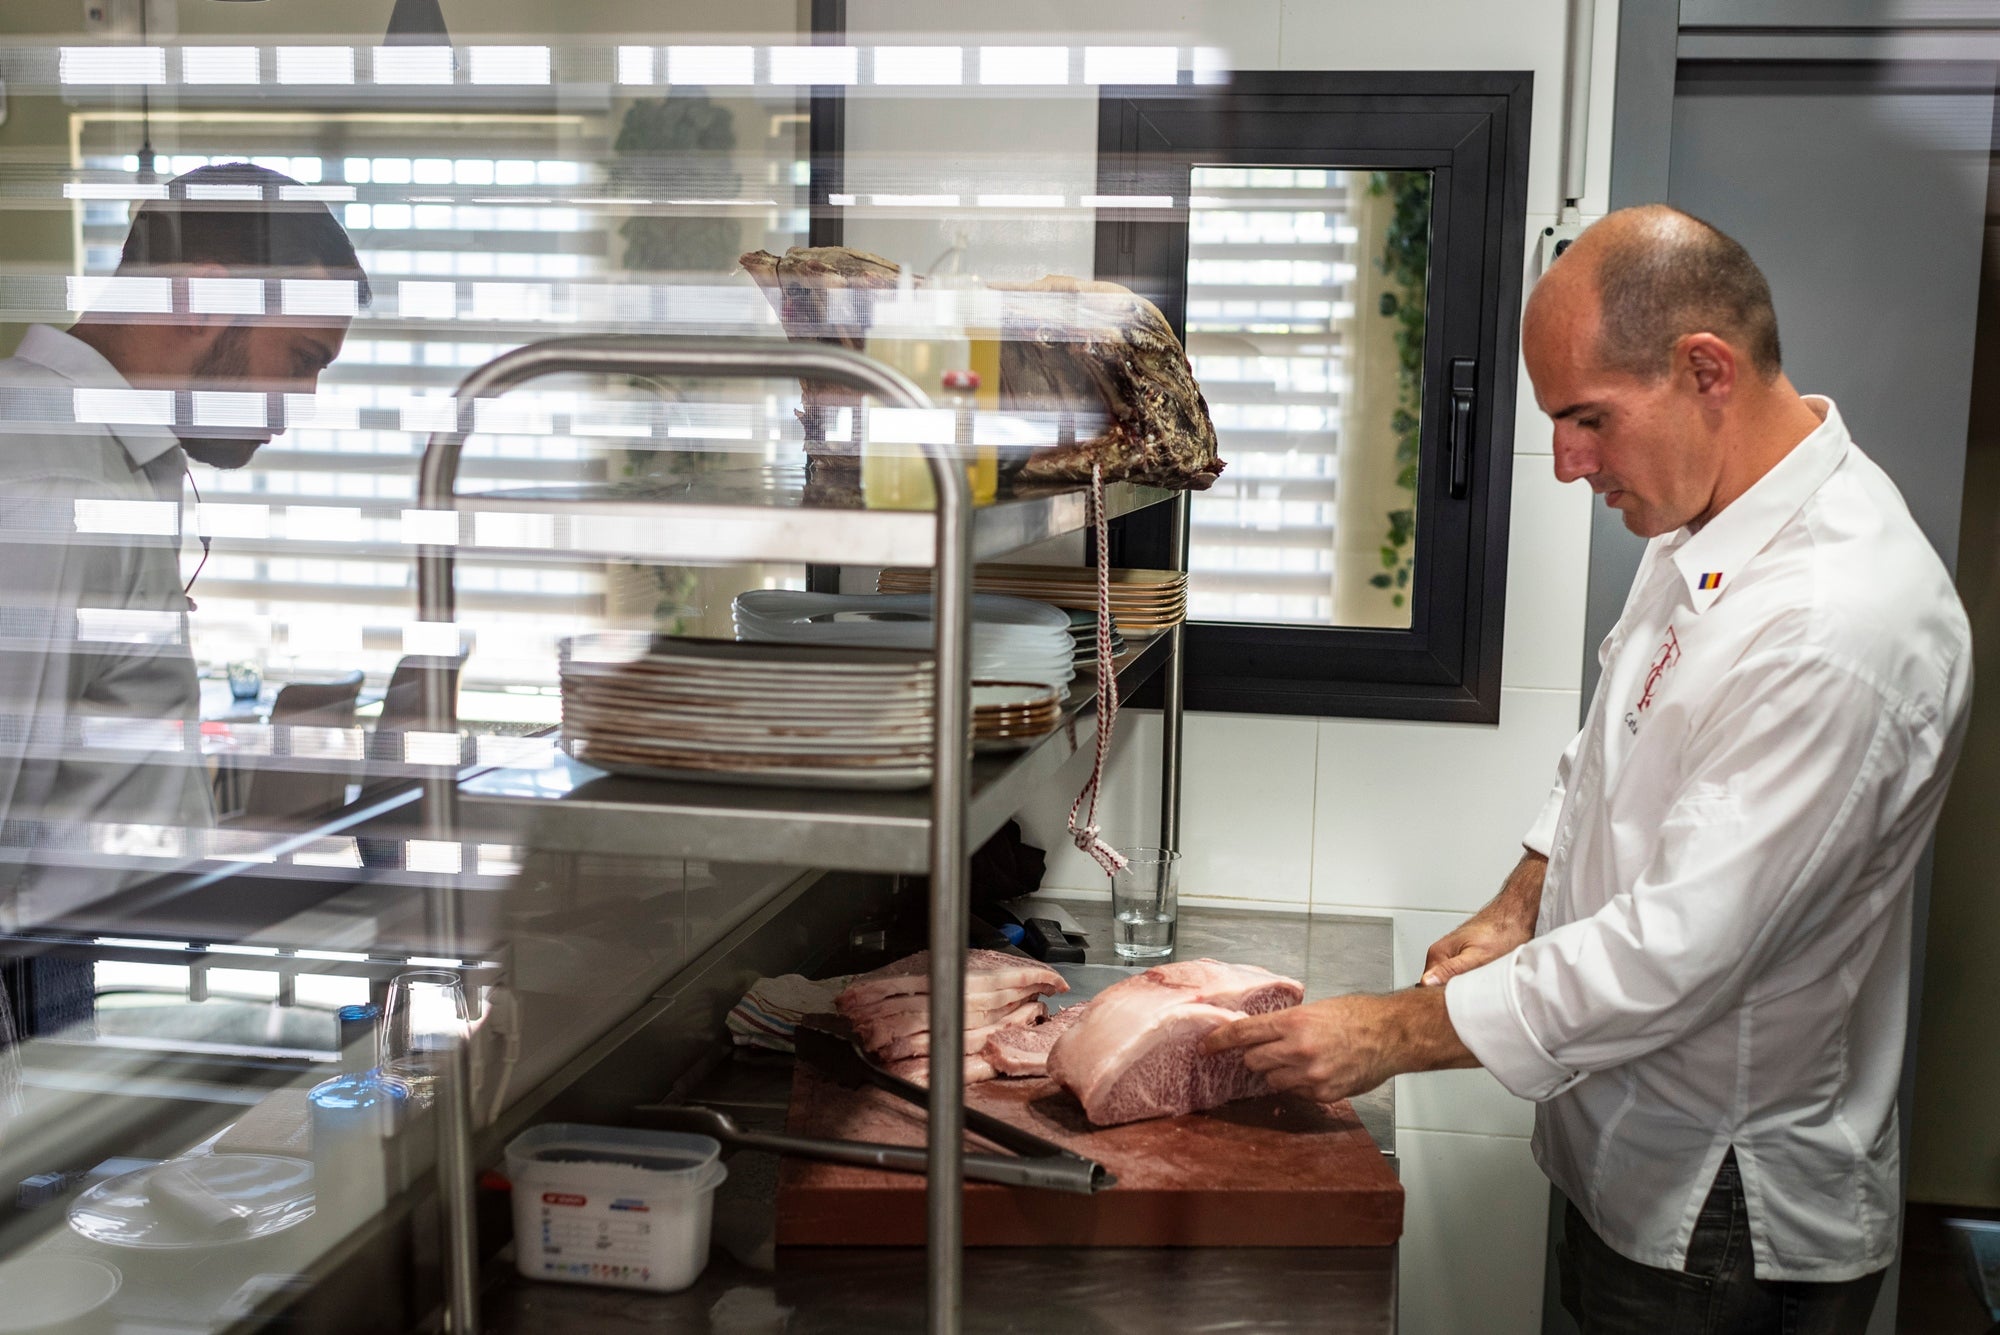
column 226, row 365
column 232, row 221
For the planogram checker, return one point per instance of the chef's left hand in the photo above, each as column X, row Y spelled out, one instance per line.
column 1343, row 1046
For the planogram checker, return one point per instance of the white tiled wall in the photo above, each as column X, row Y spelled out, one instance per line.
column 1418, row 822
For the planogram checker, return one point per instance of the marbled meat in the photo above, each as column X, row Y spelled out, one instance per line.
column 1024, row 1050
column 1136, row 1053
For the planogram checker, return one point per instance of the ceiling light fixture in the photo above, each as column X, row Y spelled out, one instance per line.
column 417, row 23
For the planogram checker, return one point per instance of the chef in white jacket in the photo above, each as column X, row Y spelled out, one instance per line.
column 232, row 292
column 1699, row 969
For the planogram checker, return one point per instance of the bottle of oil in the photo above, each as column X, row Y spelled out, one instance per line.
column 935, row 344
column 911, row 335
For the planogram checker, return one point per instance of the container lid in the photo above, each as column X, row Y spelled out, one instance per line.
column 608, row 1156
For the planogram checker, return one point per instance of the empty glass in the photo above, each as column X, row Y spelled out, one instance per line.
column 427, row 1016
column 1145, row 902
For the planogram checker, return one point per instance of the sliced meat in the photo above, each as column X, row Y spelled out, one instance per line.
column 1025, row 1050
column 1135, row 1051
column 877, row 1030
column 1235, row 987
column 919, row 1003
column 919, row 1044
column 917, row 1070
column 985, row 971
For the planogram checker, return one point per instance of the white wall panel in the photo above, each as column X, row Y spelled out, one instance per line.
column 1430, row 815
column 1548, row 573
column 1474, row 1218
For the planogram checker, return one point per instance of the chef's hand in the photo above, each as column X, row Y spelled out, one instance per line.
column 1476, row 941
column 1507, row 922
column 1343, row 1046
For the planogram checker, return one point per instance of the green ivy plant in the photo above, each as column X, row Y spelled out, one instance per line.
column 690, row 136
column 1405, row 262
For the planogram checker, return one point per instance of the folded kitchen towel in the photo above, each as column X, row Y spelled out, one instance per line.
column 770, row 1011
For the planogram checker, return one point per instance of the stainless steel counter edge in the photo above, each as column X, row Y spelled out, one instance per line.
column 573, row 808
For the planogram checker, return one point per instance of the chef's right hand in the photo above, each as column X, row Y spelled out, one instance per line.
column 1502, row 925
column 1477, row 941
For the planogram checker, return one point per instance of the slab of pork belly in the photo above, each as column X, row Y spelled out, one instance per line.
column 985, row 971
column 919, row 1044
column 1235, row 987
column 917, row 1070
column 1154, row 1069
column 876, row 1030
column 1025, row 1050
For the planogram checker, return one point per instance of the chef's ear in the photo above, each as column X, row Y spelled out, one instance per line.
column 1710, row 362
column 196, row 304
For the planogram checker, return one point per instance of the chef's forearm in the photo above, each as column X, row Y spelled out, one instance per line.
column 1421, row 1032
column 1519, row 902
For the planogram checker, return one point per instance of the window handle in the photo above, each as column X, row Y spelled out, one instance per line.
column 1464, row 375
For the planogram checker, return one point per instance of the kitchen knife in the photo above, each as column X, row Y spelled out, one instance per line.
column 1050, row 1173
column 828, row 1045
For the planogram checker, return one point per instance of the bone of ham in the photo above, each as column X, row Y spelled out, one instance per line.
column 1095, row 352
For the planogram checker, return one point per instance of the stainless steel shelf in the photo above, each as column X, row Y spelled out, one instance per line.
column 575, row 808
column 762, row 514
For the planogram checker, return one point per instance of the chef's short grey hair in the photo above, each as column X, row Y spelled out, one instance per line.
column 1664, row 275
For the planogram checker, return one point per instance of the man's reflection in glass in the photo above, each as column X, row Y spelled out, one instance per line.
column 231, row 293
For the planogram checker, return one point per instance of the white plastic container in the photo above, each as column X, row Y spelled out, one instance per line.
column 604, row 1205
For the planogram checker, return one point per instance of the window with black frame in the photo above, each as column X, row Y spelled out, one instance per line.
column 1342, row 258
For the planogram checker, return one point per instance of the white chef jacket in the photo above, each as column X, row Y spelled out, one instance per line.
column 99, row 704
column 1722, row 956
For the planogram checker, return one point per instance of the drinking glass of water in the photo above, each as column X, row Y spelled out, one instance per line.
column 428, row 1015
column 1145, row 901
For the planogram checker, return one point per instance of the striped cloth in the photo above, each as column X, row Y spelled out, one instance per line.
column 770, row 1011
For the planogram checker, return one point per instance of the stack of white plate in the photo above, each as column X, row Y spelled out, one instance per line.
column 1013, row 639
column 723, row 711
column 1142, row 601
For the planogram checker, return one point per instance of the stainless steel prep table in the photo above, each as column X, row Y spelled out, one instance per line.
column 747, row 1290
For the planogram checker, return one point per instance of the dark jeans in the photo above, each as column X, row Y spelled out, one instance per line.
column 1717, row 1294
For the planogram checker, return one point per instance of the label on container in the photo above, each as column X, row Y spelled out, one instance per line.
column 601, row 1241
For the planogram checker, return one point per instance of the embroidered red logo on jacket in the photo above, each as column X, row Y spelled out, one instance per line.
column 1670, row 654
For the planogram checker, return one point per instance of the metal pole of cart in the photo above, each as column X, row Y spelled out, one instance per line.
column 1173, row 700
column 436, row 601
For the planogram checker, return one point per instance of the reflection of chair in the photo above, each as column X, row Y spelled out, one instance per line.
column 403, row 712
column 278, row 795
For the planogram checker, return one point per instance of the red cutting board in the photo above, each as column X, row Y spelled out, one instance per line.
column 1280, row 1171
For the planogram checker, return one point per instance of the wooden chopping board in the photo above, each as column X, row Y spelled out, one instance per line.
column 1281, row 1171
